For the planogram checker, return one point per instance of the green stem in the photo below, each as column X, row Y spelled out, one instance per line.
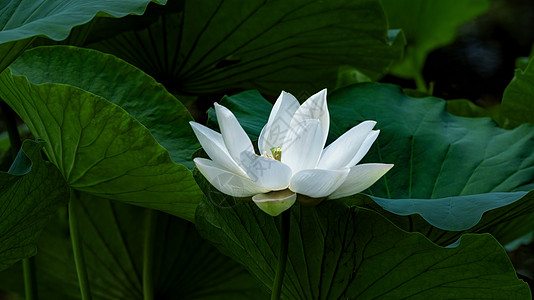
column 282, row 258
column 79, row 261
column 30, row 279
column 148, row 254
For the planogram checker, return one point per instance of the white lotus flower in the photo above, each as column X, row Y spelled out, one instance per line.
column 292, row 159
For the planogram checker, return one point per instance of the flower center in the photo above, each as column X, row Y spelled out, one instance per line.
column 276, row 153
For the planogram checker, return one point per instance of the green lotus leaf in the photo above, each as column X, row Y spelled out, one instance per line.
column 184, row 266
column 517, row 102
column 443, row 163
column 21, row 20
column 97, row 145
column 338, row 252
column 120, row 83
column 31, row 193
column 204, row 47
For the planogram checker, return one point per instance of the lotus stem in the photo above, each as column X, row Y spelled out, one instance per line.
column 79, row 261
column 282, row 258
column 148, row 254
column 30, row 279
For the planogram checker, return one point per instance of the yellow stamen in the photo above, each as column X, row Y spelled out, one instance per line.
column 277, row 153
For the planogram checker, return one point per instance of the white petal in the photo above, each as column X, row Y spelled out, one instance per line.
column 274, row 203
column 235, row 138
column 366, row 145
column 274, row 132
column 317, row 183
column 266, row 172
column 340, row 153
column 314, row 108
column 227, row 182
column 360, row 178
column 303, row 146
column 212, row 142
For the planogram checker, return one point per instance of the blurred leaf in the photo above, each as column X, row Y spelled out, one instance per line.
column 518, row 98
column 21, row 20
column 336, row 252
column 205, row 47
column 441, row 161
column 184, row 265
column 98, row 146
column 522, row 63
column 466, row 108
column 349, row 75
column 30, row 195
column 428, row 25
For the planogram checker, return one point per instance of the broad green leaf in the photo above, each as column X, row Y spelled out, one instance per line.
column 439, row 158
column 205, row 47
column 518, row 98
column 428, row 25
column 337, row 252
column 11, row 50
column 184, row 265
column 30, row 194
column 435, row 154
column 450, row 213
column 120, row 83
column 100, row 148
column 506, row 223
column 21, row 20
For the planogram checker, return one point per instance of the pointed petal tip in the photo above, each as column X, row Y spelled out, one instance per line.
column 360, row 178
column 220, row 108
column 374, row 134
column 194, row 124
column 371, row 122
column 226, row 181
